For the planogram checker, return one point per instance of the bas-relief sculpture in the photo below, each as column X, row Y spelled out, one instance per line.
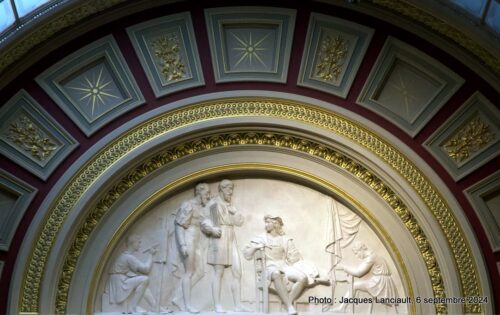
column 371, row 275
column 187, row 236
column 312, row 251
column 219, row 225
column 282, row 262
column 128, row 282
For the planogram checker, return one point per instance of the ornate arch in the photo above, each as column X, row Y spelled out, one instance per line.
column 181, row 119
column 180, row 89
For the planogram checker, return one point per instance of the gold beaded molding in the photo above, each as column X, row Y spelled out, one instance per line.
column 407, row 9
column 247, row 107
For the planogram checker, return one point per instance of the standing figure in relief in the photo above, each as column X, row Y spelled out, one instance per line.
column 219, row 225
column 188, row 237
column 376, row 276
column 281, row 254
column 129, row 280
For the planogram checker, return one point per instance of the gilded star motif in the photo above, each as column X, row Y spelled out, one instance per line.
column 249, row 49
column 405, row 92
column 94, row 90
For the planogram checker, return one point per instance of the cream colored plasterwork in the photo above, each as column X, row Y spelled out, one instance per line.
column 311, row 220
column 217, row 141
column 341, row 126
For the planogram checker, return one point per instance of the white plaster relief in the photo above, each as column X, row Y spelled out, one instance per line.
column 192, row 248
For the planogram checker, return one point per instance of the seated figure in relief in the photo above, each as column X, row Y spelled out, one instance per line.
column 128, row 279
column 372, row 275
column 281, row 255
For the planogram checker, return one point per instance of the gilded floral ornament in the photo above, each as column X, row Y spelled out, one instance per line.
column 332, row 55
column 474, row 136
column 31, row 139
column 167, row 49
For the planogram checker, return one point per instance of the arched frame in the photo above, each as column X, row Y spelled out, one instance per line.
column 133, row 154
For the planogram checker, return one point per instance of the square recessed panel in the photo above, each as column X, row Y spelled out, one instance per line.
column 250, row 48
column 93, row 85
column 407, row 91
column 251, row 43
column 332, row 54
column 94, row 90
column 469, row 138
column 168, row 53
column 15, row 197
column 485, row 198
column 30, row 137
column 407, row 86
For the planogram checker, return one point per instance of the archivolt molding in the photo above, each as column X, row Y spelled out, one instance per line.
column 248, row 107
column 407, row 9
column 273, row 139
